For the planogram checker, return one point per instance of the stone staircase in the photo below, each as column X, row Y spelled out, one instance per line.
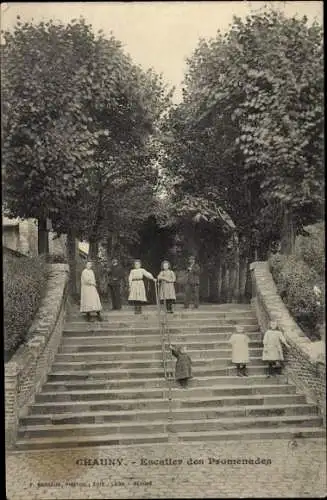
column 107, row 385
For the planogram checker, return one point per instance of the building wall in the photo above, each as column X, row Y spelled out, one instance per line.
column 28, row 237
column 22, row 237
column 10, row 237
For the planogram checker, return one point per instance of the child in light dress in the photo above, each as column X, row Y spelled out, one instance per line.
column 137, row 295
column 240, row 350
column 166, row 280
column 273, row 341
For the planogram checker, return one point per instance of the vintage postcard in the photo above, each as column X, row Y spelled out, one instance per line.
column 164, row 249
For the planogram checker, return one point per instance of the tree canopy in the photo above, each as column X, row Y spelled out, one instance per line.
column 80, row 127
column 248, row 136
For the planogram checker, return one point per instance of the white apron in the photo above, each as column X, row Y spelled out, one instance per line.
column 167, row 288
column 136, row 284
column 90, row 300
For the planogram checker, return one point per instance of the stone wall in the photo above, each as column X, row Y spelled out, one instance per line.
column 27, row 370
column 302, row 364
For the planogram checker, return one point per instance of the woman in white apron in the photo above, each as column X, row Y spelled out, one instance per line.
column 90, row 300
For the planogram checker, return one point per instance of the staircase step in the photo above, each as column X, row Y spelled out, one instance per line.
column 139, row 392
column 89, row 365
column 75, row 376
column 151, row 403
column 85, row 441
column 156, row 354
column 161, row 426
column 137, row 373
column 128, row 314
column 222, row 364
column 198, row 381
column 133, row 336
column 199, row 325
column 154, row 345
column 178, row 414
column 289, row 433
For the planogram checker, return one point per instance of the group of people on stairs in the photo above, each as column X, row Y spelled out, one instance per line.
column 90, row 302
column 272, row 353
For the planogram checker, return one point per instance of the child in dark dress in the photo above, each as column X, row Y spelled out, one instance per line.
column 183, row 368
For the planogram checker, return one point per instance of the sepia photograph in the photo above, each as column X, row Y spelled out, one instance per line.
column 163, row 240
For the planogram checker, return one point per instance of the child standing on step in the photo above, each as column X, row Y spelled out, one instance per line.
column 183, row 368
column 240, row 350
column 272, row 349
column 137, row 294
column 166, row 280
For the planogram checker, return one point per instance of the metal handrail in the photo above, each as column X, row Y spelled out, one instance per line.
column 165, row 338
column 161, row 321
column 165, row 334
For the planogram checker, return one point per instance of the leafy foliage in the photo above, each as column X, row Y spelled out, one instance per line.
column 24, row 284
column 248, row 135
column 295, row 281
column 311, row 248
column 46, row 142
column 80, row 129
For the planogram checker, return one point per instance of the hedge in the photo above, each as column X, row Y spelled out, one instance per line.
column 24, row 285
column 295, row 280
column 311, row 248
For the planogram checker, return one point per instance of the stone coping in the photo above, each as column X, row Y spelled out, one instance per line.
column 275, row 308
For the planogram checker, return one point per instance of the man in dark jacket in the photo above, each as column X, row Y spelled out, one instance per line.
column 115, row 276
column 192, row 284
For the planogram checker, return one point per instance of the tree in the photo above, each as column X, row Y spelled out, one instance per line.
column 248, row 134
column 46, row 143
column 80, row 130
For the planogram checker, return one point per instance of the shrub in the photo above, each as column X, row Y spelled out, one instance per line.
column 295, row 281
column 311, row 248
column 277, row 262
column 24, row 284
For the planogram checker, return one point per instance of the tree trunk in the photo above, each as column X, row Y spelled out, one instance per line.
column 93, row 250
column 236, row 283
column 71, row 254
column 213, row 280
column 288, row 233
column 93, row 236
column 42, row 237
column 112, row 246
column 248, row 284
column 242, row 278
column 219, row 282
column 224, row 283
